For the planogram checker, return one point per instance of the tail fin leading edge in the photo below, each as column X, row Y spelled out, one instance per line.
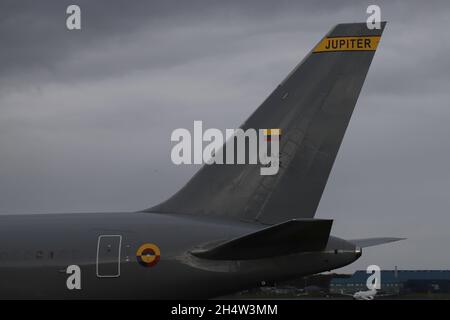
column 312, row 107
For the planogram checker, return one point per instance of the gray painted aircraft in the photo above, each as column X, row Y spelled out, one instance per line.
column 229, row 228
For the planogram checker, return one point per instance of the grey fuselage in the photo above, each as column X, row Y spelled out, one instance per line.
column 36, row 250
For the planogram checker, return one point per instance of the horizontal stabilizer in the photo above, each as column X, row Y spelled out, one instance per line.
column 370, row 242
column 300, row 235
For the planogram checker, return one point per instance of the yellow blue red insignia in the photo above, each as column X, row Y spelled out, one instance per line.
column 148, row 255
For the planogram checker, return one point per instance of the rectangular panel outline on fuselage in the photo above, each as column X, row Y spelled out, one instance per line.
column 118, row 258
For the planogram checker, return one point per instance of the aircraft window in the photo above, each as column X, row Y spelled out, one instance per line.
column 39, row 254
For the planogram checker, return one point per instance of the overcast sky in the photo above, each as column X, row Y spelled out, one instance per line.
column 86, row 116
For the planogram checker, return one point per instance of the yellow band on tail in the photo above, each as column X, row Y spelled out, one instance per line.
column 363, row 43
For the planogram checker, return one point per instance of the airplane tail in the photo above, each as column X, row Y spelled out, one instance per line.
column 312, row 108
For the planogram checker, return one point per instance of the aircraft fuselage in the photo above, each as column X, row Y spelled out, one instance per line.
column 36, row 250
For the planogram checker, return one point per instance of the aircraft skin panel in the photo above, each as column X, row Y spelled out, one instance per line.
column 312, row 107
column 41, row 247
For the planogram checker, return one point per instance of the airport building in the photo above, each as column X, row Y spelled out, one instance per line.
column 396, row 281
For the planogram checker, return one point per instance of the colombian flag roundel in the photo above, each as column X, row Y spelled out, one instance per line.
column 148, row 255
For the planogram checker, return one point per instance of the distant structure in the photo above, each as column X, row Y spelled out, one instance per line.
column 396, row 281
